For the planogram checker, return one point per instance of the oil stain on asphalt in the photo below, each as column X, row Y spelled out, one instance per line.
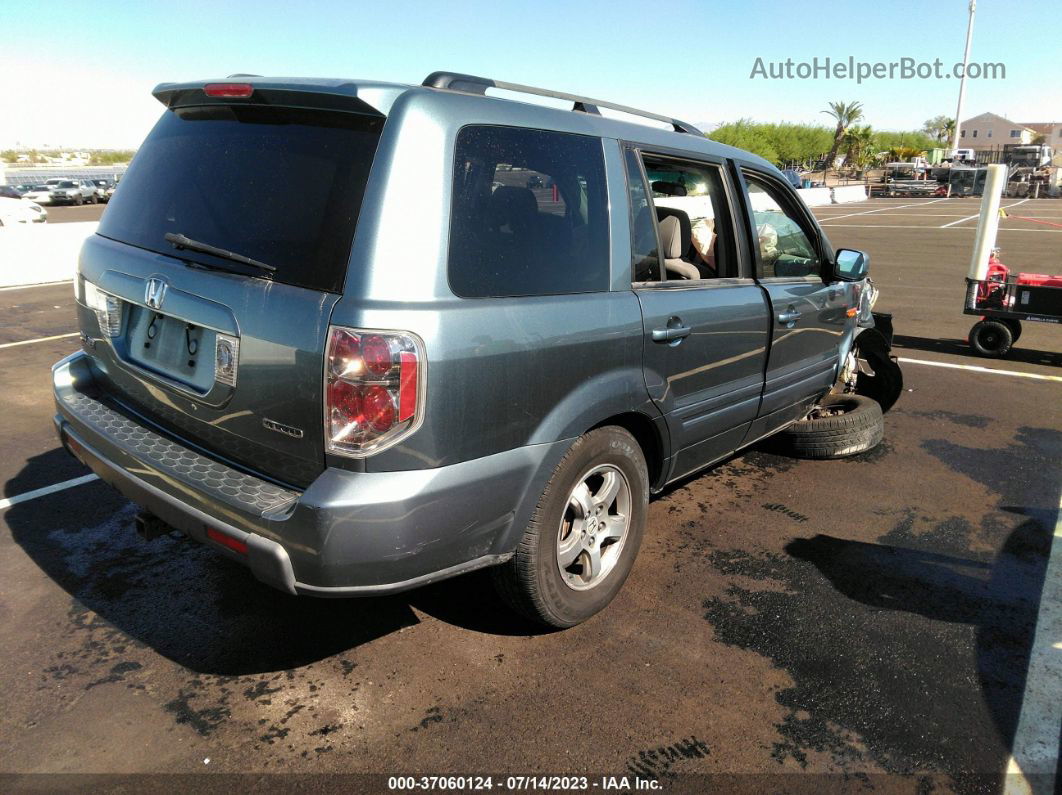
column 920, row 666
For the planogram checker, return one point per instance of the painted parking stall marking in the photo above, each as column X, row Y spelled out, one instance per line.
column 38, row 339
column 978, row 369
column 46, row 490
column 977, row 214
column 1035, row 748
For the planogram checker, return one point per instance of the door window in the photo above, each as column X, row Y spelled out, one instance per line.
column 645, row 260
column 692, row 217
column 785, row 249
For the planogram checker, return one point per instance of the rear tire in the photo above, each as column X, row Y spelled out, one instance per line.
column 591, row 514
column 847, row 425
column 991, row 338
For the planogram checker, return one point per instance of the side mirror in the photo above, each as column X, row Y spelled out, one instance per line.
column 851, row 265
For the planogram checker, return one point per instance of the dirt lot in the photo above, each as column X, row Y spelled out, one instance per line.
column 787, row 625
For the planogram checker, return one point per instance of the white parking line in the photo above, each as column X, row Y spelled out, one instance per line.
column 936, row 228
column 42, row 492
column 1034, row 752
column 886, row 209
column 975, row 215
column 38, row 339
column 977, row 369
column 31, row 286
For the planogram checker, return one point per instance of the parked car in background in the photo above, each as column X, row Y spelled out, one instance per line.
column 21, row 211
column 41, row 194
column 792, row 176
column 104, row 189
column 10, row 192
column 64, row 191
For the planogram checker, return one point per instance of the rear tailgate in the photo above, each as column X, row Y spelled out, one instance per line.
column 226, row 356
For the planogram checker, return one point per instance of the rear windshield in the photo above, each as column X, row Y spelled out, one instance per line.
column 279, row 185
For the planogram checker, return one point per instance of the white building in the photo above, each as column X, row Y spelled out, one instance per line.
column 991, row 131
column 1050, row 130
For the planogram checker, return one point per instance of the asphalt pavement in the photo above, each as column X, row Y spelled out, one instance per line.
column 849, row 625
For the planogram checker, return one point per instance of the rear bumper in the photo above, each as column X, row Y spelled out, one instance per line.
column 348, row 534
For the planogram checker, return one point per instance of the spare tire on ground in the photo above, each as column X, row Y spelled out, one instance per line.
column 840, row 426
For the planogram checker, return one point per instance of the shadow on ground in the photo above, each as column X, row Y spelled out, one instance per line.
column 961, row 348
column 921, row 665
column 199, row 609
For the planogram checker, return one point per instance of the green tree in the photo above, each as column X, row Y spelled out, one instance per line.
column 901, row 154
column 109, row 158
column 744, row 134
column 916, row 139
column 949, row 130
column 845, row 114
column 860, row 145
column 939, row 127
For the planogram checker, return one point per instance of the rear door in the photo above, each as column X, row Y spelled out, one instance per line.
column 225, row 355
column 807, row 311
column 705, row 339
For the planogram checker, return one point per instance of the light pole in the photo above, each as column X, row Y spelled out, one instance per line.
column 962, row 82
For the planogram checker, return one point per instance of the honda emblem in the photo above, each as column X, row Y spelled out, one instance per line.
column 155, row 293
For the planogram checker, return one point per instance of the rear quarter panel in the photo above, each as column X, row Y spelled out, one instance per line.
column 501, row 372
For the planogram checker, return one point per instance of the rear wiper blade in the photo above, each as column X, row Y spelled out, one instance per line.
column 180, row 241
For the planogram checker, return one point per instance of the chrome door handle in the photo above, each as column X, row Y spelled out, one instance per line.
column 789, row 318
column 671, row 334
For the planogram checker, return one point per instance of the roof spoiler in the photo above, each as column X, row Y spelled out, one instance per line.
column 339, row 97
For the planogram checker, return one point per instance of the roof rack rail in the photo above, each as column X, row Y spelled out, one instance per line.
column 470, row 84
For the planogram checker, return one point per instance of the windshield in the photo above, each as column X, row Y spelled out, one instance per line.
column 278, row 185
column 67, row 184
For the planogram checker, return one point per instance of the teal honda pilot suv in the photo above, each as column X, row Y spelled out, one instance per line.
column 363, row 336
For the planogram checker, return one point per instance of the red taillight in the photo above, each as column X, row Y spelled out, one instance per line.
column 379, row 408
column 372, row 389
column 233, row 90
column 377, row 355
column 227, row 541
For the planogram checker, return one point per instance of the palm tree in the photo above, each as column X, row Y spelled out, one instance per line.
column 939, row 127
column 859, row 141
column 846, row 114
column 948, row 130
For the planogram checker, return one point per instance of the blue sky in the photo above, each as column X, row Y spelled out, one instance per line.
column 77, row 73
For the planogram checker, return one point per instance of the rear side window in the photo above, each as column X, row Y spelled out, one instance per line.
column 529, row 214
column 279, row 185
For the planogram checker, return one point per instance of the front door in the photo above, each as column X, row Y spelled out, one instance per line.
column 808, row 312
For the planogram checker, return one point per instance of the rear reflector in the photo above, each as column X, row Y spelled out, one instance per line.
column 227, row 541
column 407, row 386
column 236, row 90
